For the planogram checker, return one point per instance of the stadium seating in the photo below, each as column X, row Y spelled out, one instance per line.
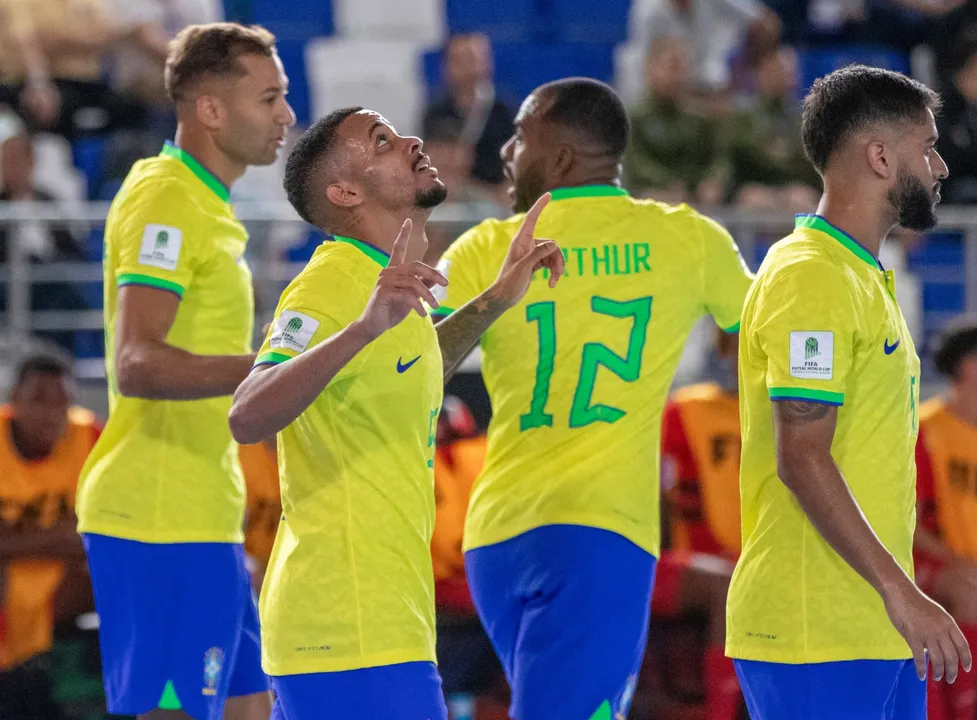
column 421, row 21
column 508, row 21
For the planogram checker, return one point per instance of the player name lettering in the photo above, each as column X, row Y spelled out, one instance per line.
column 611, row 259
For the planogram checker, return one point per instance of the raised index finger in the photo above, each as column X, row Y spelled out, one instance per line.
column 529, row 222
column 399, row 250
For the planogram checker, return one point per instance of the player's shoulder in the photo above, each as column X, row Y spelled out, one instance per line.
column 801, row 258
column 682, row 216
column 153, row 184
column 335, row 273
column 704, row 392
column 488, row 235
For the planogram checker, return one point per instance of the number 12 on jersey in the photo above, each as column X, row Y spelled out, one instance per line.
column 594, row 355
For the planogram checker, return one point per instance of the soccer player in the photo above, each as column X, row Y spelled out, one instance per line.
column 563, row 527
column 824, row 619
column 701, row 453
column 351, row 378
column 946, row 489
column 44, row 441
column 161, row 501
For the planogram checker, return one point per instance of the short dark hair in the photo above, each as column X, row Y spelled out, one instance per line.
column 311, row 150
column 591, row 108
column 41, row 365
column 955, row 343
column 212, row 49
column 854, row 98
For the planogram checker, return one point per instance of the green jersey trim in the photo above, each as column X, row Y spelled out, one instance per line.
column 372, row 252
column 816, row 222
column 202, row 173
column 442, row 311
column 271, row 358
column 819, row 396
column 588, row 191
column 150, row 281
column 732, row 329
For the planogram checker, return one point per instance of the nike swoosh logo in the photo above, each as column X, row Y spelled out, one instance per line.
column 889, row 349
column 403, row 367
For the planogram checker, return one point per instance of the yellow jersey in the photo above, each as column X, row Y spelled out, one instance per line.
column 578, row 375
column 821, row 324
column 350, row 584
column 167, row 471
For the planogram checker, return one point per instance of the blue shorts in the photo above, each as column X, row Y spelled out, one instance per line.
column 850, row 690
column 408, row 691
column 174, row 617
column 566, row 608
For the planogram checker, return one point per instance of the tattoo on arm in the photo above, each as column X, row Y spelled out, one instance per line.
column 798, row 412
column 459, row 332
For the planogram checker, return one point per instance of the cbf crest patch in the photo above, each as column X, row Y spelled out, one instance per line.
column 213, row 665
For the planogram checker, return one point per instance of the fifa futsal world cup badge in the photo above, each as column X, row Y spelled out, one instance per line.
column 213, row 663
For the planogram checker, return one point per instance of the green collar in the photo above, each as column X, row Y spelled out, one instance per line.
column 202, row 173
column 582, row 191
column 372, row 252
column 816, row 222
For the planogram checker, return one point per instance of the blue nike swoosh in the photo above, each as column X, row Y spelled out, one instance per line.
column 404, row 367
column 889, row 349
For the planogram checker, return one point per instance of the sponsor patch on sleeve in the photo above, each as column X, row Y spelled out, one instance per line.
column 812, row 354
column 160, row 246
column 293, row 331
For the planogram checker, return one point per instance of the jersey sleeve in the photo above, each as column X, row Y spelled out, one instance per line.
column 804, row 327
column 158, row 240
column 313, row 308
column 726, row 278
column 925, row 487
column 464, row 264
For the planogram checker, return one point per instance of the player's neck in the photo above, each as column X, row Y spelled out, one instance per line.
column 847, row 211
column 963, row 405
column 202, row 148
column 381, row 229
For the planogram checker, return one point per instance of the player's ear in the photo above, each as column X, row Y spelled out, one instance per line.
column 209, row 111
column 563, row 160
column 880, row 158
column 344, row 194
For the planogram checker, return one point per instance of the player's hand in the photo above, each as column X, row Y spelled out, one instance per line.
column 929, row 630
column 526, row 255
column 401, row 287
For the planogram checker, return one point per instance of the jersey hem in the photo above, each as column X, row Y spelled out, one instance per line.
column 824, row 397
column 836, row 654
column 150, row 281
column 362, row 662
column 160, row 538
column 650, row 545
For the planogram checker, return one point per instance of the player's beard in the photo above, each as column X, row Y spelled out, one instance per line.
column 432, row 197
column 913, row 202
column 529, row 187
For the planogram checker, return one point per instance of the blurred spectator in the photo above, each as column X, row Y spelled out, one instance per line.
column 38, row 240
column 675, row 149
column 482, row 121
column 957, row 122
column 259, row 462
column 769, row 168
column 44, row 442
column 712, row 30
column 469, row 666
column 50, row 55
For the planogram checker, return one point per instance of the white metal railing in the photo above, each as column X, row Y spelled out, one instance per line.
column 271, row 270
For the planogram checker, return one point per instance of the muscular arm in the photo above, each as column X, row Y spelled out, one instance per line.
column 459, row 332
column 804, row 431
column 147, row 367
column 273, row 396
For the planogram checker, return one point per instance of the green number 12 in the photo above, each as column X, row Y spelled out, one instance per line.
column 628, row 368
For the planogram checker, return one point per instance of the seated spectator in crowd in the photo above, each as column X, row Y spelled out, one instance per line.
column 468, row 664
column 50, row 72
column 676, row 149
column 769, row 168
column 484, row 121
column 41, row 242
column 700, row 483
column 957, row 122
column 259, row 462
column 712, row 30
column 44, row 441
column 946, row 488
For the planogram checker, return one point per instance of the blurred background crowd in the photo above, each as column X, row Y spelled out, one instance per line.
column 714, row 88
